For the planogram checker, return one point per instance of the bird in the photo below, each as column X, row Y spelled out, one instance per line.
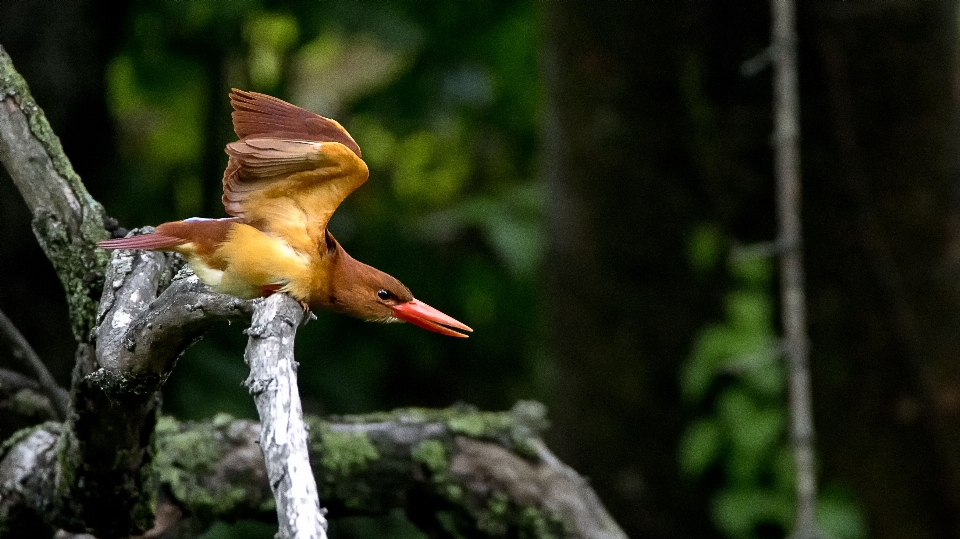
column 286, row 174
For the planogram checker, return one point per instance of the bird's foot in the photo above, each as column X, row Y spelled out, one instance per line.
column 307, row 314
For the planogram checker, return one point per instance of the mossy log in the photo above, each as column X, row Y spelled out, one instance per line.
column 453, row 472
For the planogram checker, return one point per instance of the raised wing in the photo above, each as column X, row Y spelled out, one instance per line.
column 257, row 114
column 290, row 170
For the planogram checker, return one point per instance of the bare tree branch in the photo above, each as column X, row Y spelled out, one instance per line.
column 66, row 219
column 143, row 328
column 138, row 334
column 22, row 396
column 283, row 438
column 24, row 403
column 21, row 349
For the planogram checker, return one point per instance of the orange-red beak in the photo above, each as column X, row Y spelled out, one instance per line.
column 420, row 314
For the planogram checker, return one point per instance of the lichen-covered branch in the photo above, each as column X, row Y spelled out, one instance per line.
column 283, row 436
column 103, row 454
column 479, row 474
column 106, row 450
column 66, row 219
column 140, row 335
column 458, row 472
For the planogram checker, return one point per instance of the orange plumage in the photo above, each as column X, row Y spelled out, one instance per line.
column 287, row 174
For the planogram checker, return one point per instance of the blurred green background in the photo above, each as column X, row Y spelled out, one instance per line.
column 453, row 208
column 568, row 178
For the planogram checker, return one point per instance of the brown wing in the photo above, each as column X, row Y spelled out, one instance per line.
column 290, row 170
column 263, row 115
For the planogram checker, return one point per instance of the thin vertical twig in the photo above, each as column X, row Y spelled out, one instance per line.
column 786, row 109
column 283, row 434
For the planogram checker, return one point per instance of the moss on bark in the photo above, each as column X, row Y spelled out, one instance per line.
column 68, row 230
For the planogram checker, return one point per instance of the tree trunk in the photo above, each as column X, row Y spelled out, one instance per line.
column 623, row 304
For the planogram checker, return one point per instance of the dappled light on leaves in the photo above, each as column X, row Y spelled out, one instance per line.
column 270, row 36
column 429, row 168
column 333, row 70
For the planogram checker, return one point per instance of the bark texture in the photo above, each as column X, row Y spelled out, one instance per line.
column 66, row 219
column 113, row 461
column 283, row 434
column 455, row 471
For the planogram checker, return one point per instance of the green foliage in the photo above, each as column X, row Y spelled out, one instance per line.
column 705, row 248
column 269, row 36
column 736, row 379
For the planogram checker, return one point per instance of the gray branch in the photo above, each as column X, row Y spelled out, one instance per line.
column 139, row 335
column 144, row 325
column 66, row 219
column 786, row 110
column 21, row 349
column 24, row 403
column 283, row 438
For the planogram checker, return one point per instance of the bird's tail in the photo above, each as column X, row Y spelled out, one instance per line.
column 150, row 242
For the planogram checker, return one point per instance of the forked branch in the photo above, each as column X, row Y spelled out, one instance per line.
column 480, row 474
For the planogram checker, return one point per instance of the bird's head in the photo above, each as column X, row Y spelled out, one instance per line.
column 370, row 294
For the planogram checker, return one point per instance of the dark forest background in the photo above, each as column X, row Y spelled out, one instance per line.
column 576, row 181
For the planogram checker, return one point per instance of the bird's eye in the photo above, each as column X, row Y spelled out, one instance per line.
column 383, row 294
